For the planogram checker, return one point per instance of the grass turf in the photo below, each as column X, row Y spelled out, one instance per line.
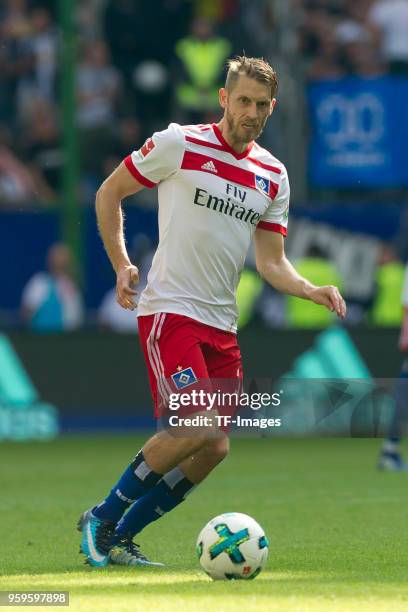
column 337, row 527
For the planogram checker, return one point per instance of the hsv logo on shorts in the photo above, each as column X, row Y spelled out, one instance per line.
column 184, row 378
column 262, row 184
column 147, row 147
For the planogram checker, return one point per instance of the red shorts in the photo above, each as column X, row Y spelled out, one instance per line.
column 182, row 353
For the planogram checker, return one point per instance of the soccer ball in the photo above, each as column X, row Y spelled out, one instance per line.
column 232, row 546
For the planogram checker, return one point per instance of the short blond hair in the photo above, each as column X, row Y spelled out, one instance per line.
column 253, row 67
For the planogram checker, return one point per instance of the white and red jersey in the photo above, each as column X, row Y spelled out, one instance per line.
column 211, row 200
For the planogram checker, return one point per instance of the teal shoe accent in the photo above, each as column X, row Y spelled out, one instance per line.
column 96, row 539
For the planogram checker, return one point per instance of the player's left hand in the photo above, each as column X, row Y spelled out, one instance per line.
column 126, row 278
column 329, row 296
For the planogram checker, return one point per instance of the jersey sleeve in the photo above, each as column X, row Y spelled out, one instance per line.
column 275, row 218
column 159, row 158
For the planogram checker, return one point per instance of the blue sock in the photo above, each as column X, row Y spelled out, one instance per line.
column 136, row 481
column 166, row 495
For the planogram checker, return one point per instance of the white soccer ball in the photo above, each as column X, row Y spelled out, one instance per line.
column 232, row 546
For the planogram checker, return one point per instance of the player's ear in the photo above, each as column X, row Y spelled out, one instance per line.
column 223, row 97
column 273, row 102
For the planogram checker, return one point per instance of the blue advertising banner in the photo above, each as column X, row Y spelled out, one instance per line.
column 358, row 132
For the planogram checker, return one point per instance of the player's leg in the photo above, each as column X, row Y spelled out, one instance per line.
column 99, row 523
column 169, row 342
column 390, row 457
column 169, row 492
column 224, row 362
column 200, row 464
column 162, row 452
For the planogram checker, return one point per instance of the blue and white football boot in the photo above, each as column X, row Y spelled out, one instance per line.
column 392, row 462
column 126, row 552
column 96, row 538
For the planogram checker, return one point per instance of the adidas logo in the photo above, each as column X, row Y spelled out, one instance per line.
column 330, row 392
column 209, row 166
column 334, row 355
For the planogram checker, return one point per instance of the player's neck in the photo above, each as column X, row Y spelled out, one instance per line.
column 238, row 146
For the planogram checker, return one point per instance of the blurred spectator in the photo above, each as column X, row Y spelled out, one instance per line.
column 337, row 39
column 352, row 27
column 43, row 151
column 17, row 185
column 356, row 42
column 16, row 59
column 127, row 139
column 41, row 46
column 98, row 88
column 390, row 458
column 389, row 20
column 250, row 27
column 131, row 30
column 144, row 58
column 89, row 19
column 363, row 62
column 51, row 301
column 128, row 136
column 403, row 339
column 320, row 271
column 327, row 64
column 386, row 310
column 202, row 57
column 14, row 15
column 123, row 29
column 152, row 90
column 118, row 145
column 318, row 44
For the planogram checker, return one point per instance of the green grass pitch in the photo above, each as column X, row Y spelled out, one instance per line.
column 337, row 528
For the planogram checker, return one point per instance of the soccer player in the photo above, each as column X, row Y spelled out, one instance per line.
column 391, row 459
column 217, row 189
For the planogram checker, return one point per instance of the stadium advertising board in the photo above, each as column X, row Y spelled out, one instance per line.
column 358, row 127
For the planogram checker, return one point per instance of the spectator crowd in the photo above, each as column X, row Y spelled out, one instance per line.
column 138, row 64
column 348, row 37
column 142, row 63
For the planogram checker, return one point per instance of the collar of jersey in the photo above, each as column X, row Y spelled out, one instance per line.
column 227, row 147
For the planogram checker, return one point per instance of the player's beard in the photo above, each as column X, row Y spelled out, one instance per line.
column 241, row 136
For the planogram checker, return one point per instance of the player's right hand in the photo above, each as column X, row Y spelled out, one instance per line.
column 126, row 278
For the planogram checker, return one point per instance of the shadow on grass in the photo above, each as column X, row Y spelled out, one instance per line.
column 351, row 569
column 113, row 582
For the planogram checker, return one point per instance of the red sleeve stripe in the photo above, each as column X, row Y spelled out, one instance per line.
column 240, row 176
column 265, row 166
column 273, row 227
column 205, row 143
column 139, row 177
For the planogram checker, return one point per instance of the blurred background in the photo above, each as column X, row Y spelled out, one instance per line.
column 82, row 84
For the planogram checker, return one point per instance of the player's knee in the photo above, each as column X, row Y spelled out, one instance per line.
column 194, row 444
column 219, row 448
